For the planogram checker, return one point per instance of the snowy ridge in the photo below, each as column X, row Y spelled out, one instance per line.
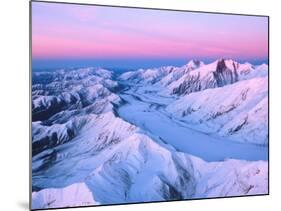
column 134, row 168
column 217, row 74
column 69, row 90
column 223, row 97
column 178, row 72
column 146, row 75
column 231, row 178
column 61, row 107
column 74, row 195
column 238, row 110
column 163, row 75
column 196, row 76
column 95, row 143
column 111, row 159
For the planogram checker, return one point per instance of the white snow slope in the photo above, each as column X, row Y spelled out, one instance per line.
column 238, row 111
column 74, row 195
column 134, row 168
column 93, row 144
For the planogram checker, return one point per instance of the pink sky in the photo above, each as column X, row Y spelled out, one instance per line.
column 74, row 31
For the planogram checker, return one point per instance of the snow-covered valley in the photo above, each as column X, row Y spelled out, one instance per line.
column 161, row 125
column 169, row 133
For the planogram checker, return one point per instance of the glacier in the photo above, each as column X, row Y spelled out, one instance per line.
column 168, row 133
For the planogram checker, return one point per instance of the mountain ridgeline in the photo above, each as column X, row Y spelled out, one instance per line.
column 149, row 135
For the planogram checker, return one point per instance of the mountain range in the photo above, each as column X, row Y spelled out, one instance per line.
column 168, row 133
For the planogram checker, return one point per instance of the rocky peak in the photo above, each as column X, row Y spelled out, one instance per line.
column 224, row 74
column 221, row 66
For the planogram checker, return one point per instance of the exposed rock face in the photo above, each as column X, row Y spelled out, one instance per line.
column 197, row 63
column 191, row 84
column 223, row 75
column 217, row 75
column 196, row 76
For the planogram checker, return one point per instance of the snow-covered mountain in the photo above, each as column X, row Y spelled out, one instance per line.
column 217, row 74
column 163, row 75
column 178, row 72
column 96, row 142
column 77, row 194
column 238, row 111
column 70, row 90
column 60, row 107
column 146, row 75
column 224, row 97
column 196, row 76
column 112, row 156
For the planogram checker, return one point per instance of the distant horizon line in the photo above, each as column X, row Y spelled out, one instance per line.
column 125, row 64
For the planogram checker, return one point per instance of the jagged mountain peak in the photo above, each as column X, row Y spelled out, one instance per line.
column 193, row 63
column 221, row 66
column 226, row 63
